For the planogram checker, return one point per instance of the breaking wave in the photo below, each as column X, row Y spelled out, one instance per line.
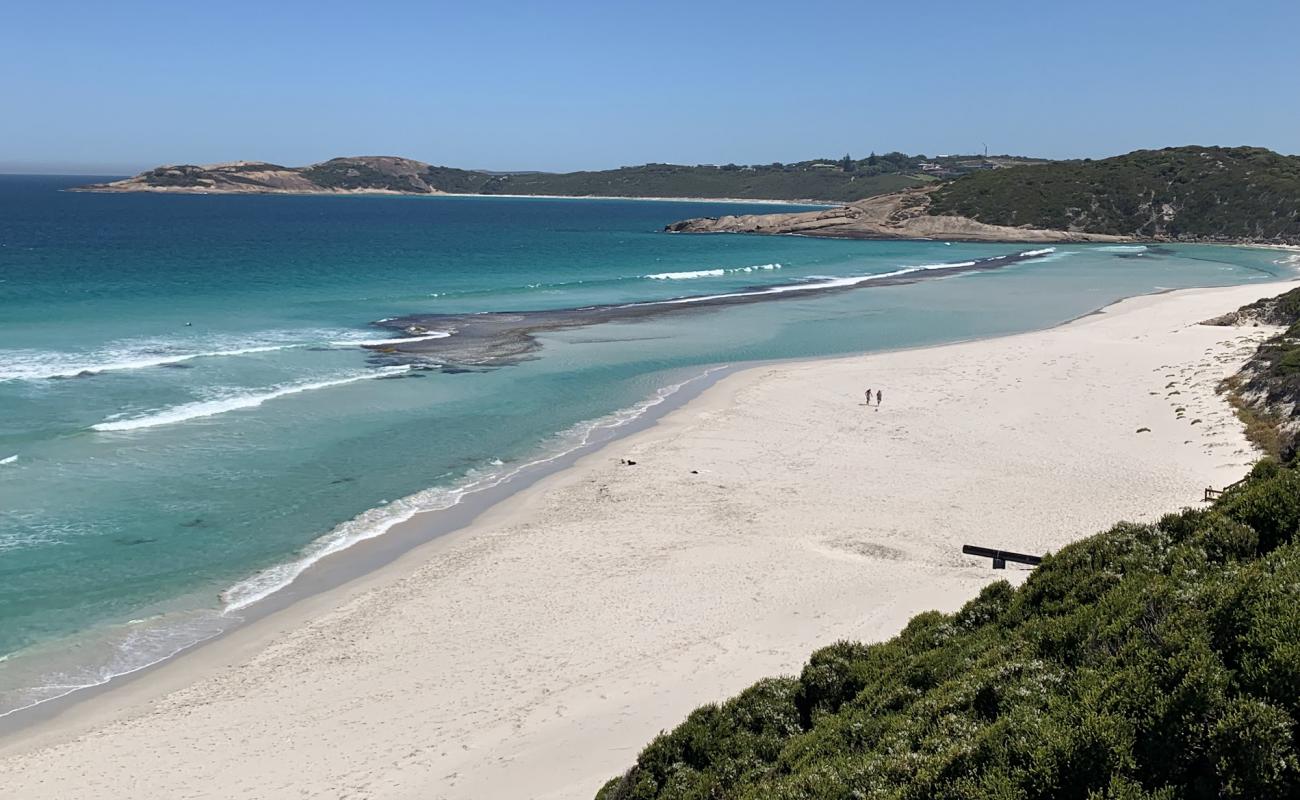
column 136, row 354
column 845, row 282
column 381, row 342
column 378, row 521
column 209, row 408
column 708, row 273
column 35, row 365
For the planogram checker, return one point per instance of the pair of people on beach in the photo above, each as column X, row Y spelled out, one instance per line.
column 879, row 397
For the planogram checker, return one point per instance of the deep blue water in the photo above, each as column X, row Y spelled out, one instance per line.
column 185, row 413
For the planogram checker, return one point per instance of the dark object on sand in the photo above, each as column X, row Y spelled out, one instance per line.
column 627, row 462
column 1000, row 557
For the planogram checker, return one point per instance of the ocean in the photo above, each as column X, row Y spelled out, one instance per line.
column 196, row 402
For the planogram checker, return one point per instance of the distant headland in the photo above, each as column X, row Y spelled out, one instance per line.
column 825, row 180
column 1218, row 195
column 1187, row 194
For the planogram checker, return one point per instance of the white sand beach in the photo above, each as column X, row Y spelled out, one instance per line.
column 534, row 653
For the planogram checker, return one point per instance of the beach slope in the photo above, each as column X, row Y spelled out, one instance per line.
column 534, row 653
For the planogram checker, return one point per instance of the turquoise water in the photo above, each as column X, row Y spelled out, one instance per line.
column 187, row 417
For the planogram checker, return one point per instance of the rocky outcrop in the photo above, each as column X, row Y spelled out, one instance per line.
column 1266, row 392
column 1281, row 311
column 357, row 175
column 901, row 215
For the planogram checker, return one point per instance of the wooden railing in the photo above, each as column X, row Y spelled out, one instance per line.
column 1212, row 494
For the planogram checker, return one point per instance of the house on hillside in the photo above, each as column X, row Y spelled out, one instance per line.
column 934, row 169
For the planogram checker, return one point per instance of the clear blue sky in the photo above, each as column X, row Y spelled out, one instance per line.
column 599, row 83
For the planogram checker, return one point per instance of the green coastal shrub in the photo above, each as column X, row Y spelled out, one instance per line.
column 1149, row 661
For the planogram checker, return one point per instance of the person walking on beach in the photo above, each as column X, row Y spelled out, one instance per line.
column 868, row 397
column 878, row 396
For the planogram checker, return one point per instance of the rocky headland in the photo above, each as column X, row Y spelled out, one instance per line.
column 900, row 215
column 355, row 175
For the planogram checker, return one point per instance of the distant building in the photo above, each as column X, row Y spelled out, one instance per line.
column 936, row 170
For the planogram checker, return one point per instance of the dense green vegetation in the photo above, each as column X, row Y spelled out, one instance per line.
column 1266, row 392
column 174, row 176
column 1201, row 193
column 1149, row 661
column 842, row 179
column 669, row 180
column 346, row 173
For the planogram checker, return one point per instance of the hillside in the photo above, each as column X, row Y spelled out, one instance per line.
column 1149, row 661
column 363, row 174
column 1266, row 392
column 1195, row 194
column 1178, row 193
column 832, row 180
column 899, row 215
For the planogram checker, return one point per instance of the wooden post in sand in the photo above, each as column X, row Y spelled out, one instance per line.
column 1000, row 557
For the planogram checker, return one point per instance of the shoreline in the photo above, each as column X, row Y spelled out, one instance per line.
column 246, row 596
column 354, row 561
column 248, row 644
column 358, row 558
column 809, row 203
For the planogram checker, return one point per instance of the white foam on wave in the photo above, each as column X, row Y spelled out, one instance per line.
column 378, row 521
column 685, row 276
column 1123, row 248
column 125, row 355
column 136, row 354
column 382, row 342
column 708, row 273
column 9, row 460
column 826, row 283
column 1049, row 256
column 118, row 651
column 34, row 365
column 209, row 408
column 817, row 284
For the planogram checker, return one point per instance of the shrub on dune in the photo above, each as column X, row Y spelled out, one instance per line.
column 1149, row 661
